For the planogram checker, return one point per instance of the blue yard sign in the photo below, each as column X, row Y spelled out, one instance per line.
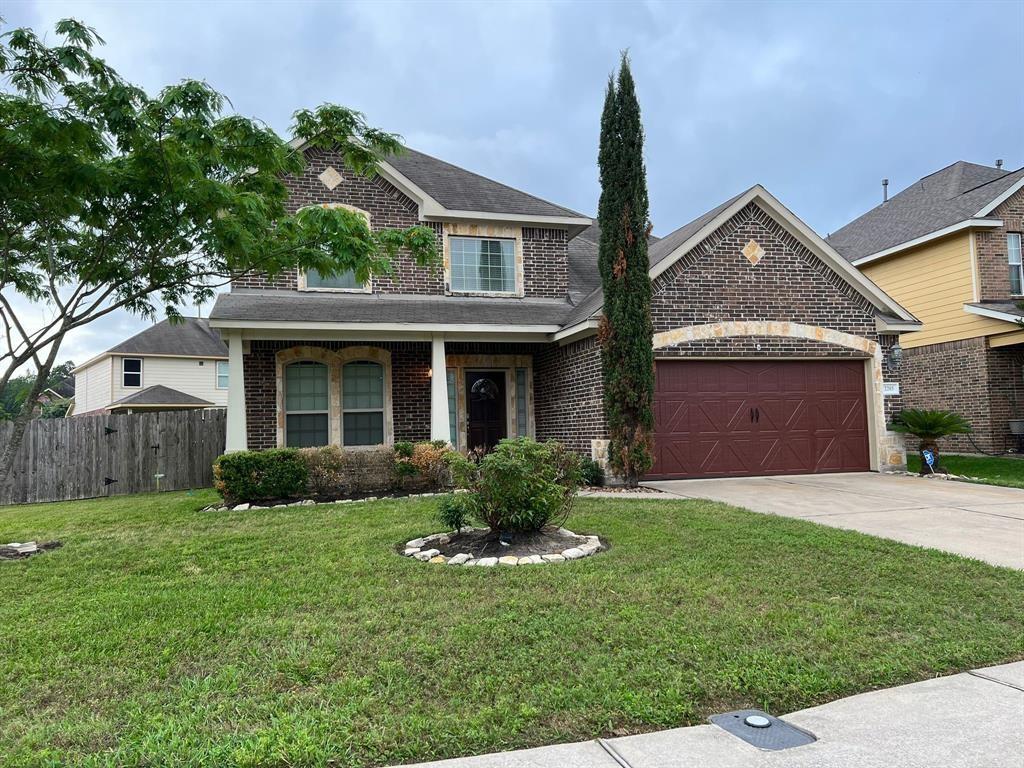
column 929, row 458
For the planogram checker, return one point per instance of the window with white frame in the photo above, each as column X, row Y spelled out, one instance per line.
column 362, row 403
column 222, row 374
column 306, row 404
column 1013, row 252
column 344, row 281
column 482, row 264
column 131, row 371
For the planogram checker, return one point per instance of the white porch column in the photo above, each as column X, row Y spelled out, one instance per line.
column 438, row 391
column 236, row 432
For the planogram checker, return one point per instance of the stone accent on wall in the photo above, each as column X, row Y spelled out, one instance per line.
column 982, row 384
column 991, row 253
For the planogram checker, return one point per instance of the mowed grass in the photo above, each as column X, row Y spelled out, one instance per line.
column 990, row 470
column 163, row 635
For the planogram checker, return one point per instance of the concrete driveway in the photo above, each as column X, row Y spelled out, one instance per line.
column 981, row 521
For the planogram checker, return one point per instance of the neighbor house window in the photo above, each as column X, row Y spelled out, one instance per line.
column 482, row 265
column 222, row 374
column 305, row 404
column 131, row 371
column 1013, row 250
column 362, row 403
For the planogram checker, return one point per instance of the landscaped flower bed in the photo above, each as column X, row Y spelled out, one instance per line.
column 482, row 547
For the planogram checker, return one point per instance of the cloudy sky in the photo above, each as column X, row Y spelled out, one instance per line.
column 817, row 101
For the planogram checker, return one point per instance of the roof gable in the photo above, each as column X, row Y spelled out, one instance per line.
column 191, row 337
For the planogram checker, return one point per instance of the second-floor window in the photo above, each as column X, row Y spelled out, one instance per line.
column 346, row 281
column 222, row 374
column 482, row 265
column 1013, row 251
column 131, row 371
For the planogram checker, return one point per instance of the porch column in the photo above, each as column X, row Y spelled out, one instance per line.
column 438, row 391
column 236, row 432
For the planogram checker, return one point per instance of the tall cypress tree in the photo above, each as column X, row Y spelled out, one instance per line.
column 627, row 355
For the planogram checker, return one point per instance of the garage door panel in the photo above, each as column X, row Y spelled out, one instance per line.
column 734, row 418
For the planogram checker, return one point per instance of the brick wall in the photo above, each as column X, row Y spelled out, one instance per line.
column 545, row 262
column 410, row 388
column 990, row 247
column 985, row 386
column 545, row 251
column 715, row 282
column 568, row 394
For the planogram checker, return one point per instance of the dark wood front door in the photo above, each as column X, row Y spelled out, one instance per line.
column 485, row 402
column 736, row 418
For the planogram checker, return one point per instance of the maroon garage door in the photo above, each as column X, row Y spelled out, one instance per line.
column 724, row 419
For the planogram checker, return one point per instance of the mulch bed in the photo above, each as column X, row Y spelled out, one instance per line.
column 484, row 543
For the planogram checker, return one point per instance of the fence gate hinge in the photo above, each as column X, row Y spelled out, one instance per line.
column 109, row 480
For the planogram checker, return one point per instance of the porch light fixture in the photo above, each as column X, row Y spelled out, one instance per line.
column 895, row 356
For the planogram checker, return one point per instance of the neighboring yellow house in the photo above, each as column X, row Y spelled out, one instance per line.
column 948, row 248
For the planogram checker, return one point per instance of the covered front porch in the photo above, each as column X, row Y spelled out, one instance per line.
column 361, row 392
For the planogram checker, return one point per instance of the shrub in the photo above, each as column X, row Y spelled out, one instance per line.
column 254, row 476
column 928, row 427
column 521, row 485
column 456, row 510
column 423, row 465
column 590, row 471
column 404, row 449
column 326, row 468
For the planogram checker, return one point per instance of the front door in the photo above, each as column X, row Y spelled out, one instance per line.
column 485, row 398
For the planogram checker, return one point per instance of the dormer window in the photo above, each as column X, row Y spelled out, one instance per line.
column 1013, row 250
column 345, row 282
column 482, row 265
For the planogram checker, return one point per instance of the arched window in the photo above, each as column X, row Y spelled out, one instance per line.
column 306, row 404
column 362, row 403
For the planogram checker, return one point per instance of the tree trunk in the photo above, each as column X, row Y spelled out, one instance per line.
column 929, row 445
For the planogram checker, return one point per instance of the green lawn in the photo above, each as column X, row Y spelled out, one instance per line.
column 162, row 635
column 991, row 470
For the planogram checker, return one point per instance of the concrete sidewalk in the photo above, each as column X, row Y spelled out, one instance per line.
column 970, row 720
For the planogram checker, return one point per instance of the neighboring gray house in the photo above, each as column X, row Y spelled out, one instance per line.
column 169, row 366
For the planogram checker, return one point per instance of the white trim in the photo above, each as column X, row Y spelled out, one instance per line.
column 573, row 332
column 992, row 205
column 798, row 229
column 440, row 429
column 883, row 325
column 236, row 438
column 995, row 314
column 446, row 328
column 965, row 224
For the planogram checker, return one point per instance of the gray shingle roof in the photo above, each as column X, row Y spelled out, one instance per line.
column 193, row 337
column 1007, row 307
column 661, row 249
column 935, row 202
column 296, row 306
column 460, row 190
column 158, row 394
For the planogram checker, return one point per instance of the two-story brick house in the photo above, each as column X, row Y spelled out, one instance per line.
column 772, row 350
column 948, row 248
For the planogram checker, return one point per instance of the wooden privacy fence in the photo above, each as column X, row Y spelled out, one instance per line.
column 102, row 455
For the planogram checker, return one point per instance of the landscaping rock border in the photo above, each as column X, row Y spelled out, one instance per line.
column 311, row 502
column 421, row 549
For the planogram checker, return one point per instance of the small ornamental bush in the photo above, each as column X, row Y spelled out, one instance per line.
column 455, row 510
column 255, row 476
column 590, row 472
column 520, row 486
column 326, row 468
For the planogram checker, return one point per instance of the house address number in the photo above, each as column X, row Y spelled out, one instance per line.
column 890, row 388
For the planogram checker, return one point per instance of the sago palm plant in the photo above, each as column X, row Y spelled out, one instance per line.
column 928, row 427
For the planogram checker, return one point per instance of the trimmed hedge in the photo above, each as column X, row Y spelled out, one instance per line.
column 253, row 476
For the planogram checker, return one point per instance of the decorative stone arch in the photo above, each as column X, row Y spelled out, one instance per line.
column 886, row 449
column 334, row 360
